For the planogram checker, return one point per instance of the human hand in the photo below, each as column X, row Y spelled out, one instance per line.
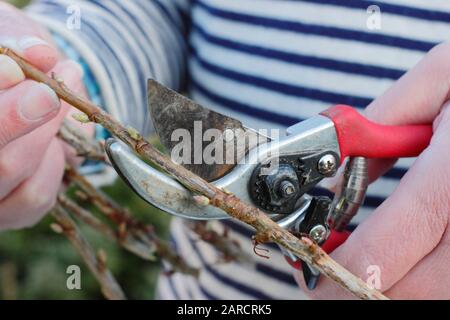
column 408, row 238
column 31, row 157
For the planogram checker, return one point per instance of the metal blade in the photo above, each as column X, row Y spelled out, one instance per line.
column 171, row 111
column 311, row 275
column 156, row 187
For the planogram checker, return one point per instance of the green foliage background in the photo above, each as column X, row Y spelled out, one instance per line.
column 19, row 3
column 33, row 262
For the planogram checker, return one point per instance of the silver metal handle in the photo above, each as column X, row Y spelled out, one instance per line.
column 350, row 194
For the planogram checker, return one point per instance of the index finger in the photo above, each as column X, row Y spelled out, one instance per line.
column 419, row 95
column 416, row 98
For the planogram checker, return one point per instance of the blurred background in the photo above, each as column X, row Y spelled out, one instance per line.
column 33, row 262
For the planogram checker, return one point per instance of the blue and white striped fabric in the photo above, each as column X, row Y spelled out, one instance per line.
column 270, row 63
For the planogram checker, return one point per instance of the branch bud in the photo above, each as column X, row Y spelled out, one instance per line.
column 134, row 134
column 81, row 117
column 57, row 228
column 102, row 258
column 201, row 200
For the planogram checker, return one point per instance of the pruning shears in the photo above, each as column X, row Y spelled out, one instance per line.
column 273, row 173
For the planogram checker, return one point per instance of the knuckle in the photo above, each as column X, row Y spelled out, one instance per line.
column 433, row 204
column 15, row 165
column 430, row 205
column 436, row 219
column 6, row 133
column 445, row 116
column 33, row 197
column 446, row 239
column 8, row 166
column 440, row 64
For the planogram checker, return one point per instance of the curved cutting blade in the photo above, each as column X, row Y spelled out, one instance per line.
column 156, row 187
column 178, row 119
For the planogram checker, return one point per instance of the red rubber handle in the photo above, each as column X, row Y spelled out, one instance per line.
column 359, row 137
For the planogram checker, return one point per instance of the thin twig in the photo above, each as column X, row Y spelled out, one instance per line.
column 83, row 146
column 135, row 241
column 96, row 263
column 8, row 281
column 132, row 234
column 266, row 229
column 227, row 247
column 85, row 216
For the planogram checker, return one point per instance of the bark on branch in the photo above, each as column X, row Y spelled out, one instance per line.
column 110, row 288
column 228, row 248
column 131, row 234
column 266, row 229
column 84, row 147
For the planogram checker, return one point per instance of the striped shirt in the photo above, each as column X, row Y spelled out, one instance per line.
column 270, row 63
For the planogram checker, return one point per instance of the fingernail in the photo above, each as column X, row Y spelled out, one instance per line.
column 28, row 42
column 10, row 43
column 10, row 72
column 38, row 102
column 23, row 44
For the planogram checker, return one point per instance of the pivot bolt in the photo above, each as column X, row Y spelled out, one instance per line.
column 287, row 189
column 318, row 233
column 327, row 165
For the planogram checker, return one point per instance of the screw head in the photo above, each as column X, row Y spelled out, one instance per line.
column 318, row 233
column 327, row 165
column 287, row 189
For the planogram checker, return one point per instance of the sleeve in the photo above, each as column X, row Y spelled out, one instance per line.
column 122, row 44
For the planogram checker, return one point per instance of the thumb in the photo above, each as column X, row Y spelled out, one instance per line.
column 25, row 36
column 37, row 51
